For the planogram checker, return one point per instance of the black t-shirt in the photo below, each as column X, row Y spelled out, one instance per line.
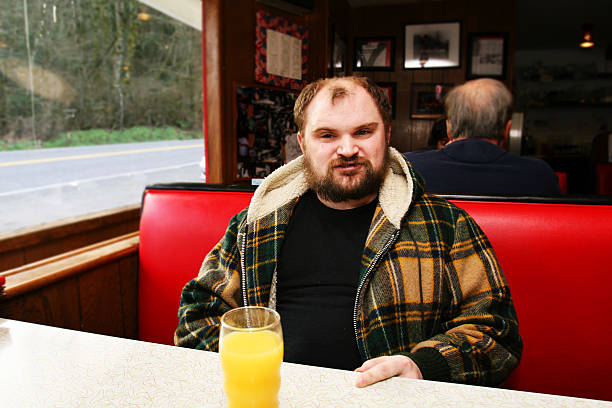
column 318, row 274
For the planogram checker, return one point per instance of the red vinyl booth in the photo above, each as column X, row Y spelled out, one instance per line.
column 554, row 255
column 604, row 178
column 562, row 176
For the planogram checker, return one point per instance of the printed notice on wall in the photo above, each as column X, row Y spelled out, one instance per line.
column 284, row 55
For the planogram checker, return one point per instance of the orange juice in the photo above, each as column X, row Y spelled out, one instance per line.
column 251, row 364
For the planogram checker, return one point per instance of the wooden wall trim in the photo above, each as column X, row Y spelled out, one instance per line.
column 47, row 271
column 50, row 231
column 29, row 245
column 213, row 38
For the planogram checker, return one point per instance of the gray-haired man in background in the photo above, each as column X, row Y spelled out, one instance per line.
column 474, row 161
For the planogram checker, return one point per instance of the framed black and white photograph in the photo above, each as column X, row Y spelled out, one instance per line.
column 427, row 100
column 374, row 54
column 390, row 89
column 487, row 55
column 432, row 45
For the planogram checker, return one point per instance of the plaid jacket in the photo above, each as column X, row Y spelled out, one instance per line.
column 430, row 285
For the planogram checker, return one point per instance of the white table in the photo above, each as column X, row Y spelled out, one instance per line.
column 42, row 366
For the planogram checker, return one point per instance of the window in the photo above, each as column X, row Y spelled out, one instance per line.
column 98, row 98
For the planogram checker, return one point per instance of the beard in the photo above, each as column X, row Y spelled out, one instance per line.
column 363, row 182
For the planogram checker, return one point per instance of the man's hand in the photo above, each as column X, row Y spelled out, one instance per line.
column 381, row 368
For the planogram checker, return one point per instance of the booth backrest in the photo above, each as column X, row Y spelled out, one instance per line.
column 555, row 257
column 178, row 227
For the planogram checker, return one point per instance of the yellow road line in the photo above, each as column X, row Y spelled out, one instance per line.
column 93, row 155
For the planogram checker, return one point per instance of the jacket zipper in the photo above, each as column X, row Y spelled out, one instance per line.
column 365, row 278
column 243, row 268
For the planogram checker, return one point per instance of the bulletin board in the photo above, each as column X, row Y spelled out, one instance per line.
column 263, row 119
column 281, row 52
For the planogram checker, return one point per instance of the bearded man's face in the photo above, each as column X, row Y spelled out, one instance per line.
column 345, row 146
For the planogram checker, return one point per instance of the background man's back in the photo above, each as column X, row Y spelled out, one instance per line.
column 475, row 166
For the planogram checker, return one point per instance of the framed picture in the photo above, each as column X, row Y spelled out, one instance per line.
column 487, row 55
column 337, row 58
column 391, row 89
column 281, row 52
column 427, row 100
column 374, row 54
column 263, row 120
column 432, row 45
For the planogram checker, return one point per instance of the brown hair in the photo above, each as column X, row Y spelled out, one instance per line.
column 337, row 90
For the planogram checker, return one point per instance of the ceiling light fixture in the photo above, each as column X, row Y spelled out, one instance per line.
column 587, row 36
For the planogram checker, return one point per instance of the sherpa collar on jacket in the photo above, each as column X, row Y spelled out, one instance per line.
column 289, row 182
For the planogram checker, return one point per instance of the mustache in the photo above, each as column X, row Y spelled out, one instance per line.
column 347, row 161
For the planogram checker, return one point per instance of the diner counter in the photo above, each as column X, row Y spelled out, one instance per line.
column 42, row 366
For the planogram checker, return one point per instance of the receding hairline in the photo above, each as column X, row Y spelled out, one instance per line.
column 480, row 91
column 337, row 88
column 336, row 93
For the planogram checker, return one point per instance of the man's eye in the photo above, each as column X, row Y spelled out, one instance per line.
column 327, row 135
column 363, row 131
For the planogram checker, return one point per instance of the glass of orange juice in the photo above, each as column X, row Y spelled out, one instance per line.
column 251, row 350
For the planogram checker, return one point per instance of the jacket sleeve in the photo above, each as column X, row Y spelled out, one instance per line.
column 479, row 342
column 213, row 292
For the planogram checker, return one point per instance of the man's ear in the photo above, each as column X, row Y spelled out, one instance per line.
column 388, row 136
column 507, row 130
column 300, row 141
column 507, row 134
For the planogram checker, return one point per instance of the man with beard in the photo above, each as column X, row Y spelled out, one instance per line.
column 367, row 271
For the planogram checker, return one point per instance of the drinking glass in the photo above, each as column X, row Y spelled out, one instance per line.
column 251, row 350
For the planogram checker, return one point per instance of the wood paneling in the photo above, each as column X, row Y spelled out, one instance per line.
column 128, row 275
column 12, row 259
column 93, row 289
column 213, row 38
column 47, row 271
column 101, row 300
column 54, row 305
column 239, row 67
column 319, row 31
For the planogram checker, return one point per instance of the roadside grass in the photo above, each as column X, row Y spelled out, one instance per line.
column 103, row 136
